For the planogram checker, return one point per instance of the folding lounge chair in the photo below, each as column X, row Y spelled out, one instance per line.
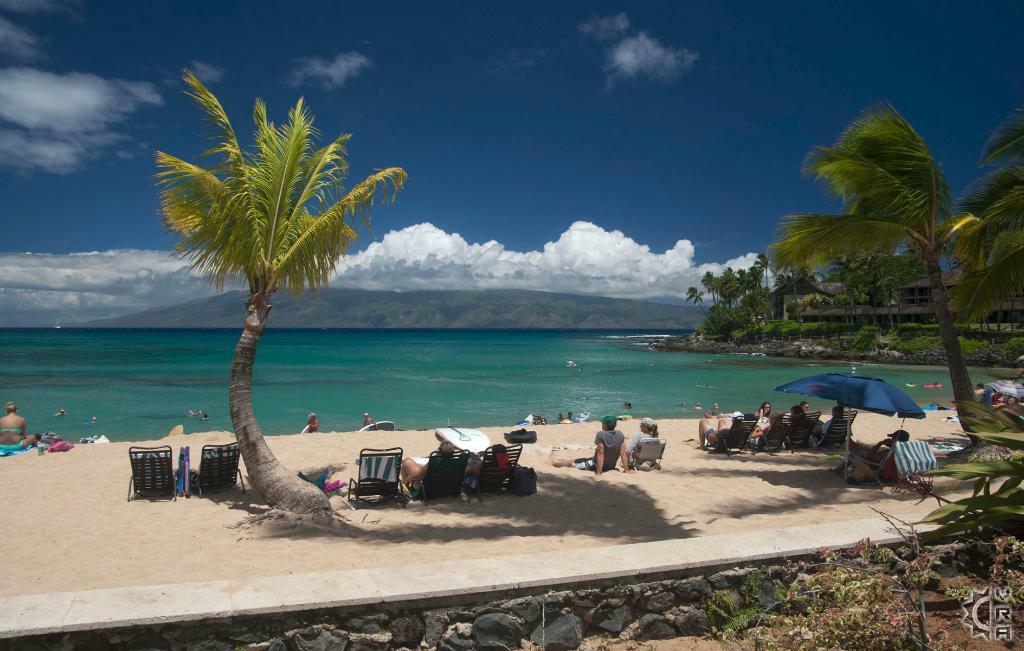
column 738, row 436
column 152, row 472
column 909, row 458
column 494, row 479
column 650, row 449
column 378, row 477
column 801, row 430
column 839, row 429
column 776, row 437
column 444, row 475
column 218, row 469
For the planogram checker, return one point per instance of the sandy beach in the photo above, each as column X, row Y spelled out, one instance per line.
column 68, row 511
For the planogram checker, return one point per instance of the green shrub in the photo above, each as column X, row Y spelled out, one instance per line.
column 863, row 342
column 971, row 345
column 722, row 321
column 916, row 345
column 1014, row 347
column 918, row 329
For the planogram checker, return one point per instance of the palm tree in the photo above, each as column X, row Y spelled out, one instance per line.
column 710, row 284
column 763, row 266
column 995, row 246
column 275, row 216
column 893, row 192
column 695, row 296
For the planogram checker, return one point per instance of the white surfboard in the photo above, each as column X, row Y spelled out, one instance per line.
column 464, row 439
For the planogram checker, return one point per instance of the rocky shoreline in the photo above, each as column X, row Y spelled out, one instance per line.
column 803, row 349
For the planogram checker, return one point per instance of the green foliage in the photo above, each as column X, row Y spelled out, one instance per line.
column 970, row 346
column 1014, row 348
column 916, row 345
column 917, row 329
column 722, row 321
column 757, row 596
column 863, row 342
column 992, row 503
column 278, row 215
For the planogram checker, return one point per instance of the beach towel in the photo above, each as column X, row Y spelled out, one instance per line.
column 913, row 457
column 382, row 468
column 60, row 446
column 11, row 450
column 319, row 481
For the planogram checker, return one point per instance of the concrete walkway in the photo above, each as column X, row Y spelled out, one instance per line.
column 66, row 612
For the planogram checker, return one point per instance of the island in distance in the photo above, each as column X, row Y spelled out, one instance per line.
column 358, row 308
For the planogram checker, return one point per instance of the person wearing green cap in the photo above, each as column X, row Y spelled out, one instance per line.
column 609, row 451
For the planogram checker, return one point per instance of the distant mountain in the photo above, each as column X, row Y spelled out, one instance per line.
column 357, row 308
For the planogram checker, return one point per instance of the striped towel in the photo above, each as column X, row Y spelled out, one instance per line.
column 382, row 468
column 914, row 457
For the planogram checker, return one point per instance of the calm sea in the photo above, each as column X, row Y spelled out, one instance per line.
column 140, row 383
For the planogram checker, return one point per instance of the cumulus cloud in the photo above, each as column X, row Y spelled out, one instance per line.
column 44, row 289
column 57, row 121
column 17, row 42
column 643, row 56
column 208, row 73
column 605, row 27
column 330, row 74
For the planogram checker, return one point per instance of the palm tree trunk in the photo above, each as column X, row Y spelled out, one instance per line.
column 279, row 487
column 958, row 374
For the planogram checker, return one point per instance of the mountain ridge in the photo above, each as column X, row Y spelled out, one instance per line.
column 420, row 309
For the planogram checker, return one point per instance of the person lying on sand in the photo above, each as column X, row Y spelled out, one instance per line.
column 609, row 451
column 711, row 427
column 14, row 431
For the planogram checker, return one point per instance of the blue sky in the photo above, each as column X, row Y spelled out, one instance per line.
column 665, row 121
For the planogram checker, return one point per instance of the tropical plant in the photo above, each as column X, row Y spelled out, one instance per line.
column 276, row 216
column 989, row 504
column 994, row 250
column 894, row 193
column 695, row 296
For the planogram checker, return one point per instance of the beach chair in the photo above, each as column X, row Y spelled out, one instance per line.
column 493, row 478
column 650, row 449
column 908, row 459
column 152, row 472
column 378, row 477
column 218, row 469
column 776, row 437
column 839, row 429
column 801, row 429
column 738, row 436
column 444, row 475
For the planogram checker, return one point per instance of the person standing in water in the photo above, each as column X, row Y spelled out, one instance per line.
column 367, row 420
column 312, row 424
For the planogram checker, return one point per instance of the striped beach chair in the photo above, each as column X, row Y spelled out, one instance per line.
column 913, row 458
column 378, row 477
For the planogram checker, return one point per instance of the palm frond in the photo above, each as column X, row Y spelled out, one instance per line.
column 224, row 133
column 1007, row 141
column 1003, row 276
column 317, row 242
column 810, row 240
column 998, row 198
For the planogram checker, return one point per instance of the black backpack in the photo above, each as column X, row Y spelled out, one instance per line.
column 524, row 481
column 521, row 436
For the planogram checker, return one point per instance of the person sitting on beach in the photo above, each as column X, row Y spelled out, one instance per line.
column 1011, row 405
column 14, row 431
column 367, row 420
column 711, row 427
column 412, row 472
column 609, row 451
column 859, row 471
column 979, row 392
column 312, row 424
column 648, row 430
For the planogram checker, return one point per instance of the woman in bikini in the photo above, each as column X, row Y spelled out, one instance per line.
column 13, row 431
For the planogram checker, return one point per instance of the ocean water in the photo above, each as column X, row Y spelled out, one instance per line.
column 140, row 383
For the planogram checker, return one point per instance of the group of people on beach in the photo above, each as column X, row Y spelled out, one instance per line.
column 313, row 422
column 715, row 425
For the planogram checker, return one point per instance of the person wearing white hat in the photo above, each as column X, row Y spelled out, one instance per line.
column 367, row 420
column 648, row 430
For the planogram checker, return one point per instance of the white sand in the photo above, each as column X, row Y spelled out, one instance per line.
column 67, row 514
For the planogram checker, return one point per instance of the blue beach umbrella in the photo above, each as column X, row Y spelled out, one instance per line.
column 858, row 392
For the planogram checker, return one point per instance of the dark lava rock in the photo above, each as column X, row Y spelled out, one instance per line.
column 497, row 631
column 562, row 632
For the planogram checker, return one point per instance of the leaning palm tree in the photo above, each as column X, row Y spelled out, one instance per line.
column 893, row 193
column 995, row 247
column 695, row 296
column 276, row 216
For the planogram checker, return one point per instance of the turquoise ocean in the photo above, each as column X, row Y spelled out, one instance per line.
column 140, row 383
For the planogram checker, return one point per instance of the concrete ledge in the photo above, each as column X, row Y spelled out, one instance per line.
column 89, row 610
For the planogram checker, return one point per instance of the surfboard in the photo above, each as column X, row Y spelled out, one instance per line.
column 379, row 426
column 464, row 439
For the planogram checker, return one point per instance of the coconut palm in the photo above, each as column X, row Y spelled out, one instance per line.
column 695, row 296
column 995, row 246
column 276, row 216
column 763, row 266
column 893, row 193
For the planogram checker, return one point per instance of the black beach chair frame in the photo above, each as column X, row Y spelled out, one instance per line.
column 218, row 469
column 491, row 478
column 738, row 436
column 444, row 475
column 365, row 490
column 152, row 472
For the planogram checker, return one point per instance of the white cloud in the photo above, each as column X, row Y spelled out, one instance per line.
column 60, row 120
column 605, row 27
column 643, row 56
column 208, row 73
column 43, row 289
column 330, row 74
column 17, row 42
column 586, row 259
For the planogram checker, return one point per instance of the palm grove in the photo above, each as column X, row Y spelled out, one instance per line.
column 899, row 221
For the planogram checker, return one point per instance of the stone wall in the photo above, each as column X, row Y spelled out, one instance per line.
column 557, row 620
